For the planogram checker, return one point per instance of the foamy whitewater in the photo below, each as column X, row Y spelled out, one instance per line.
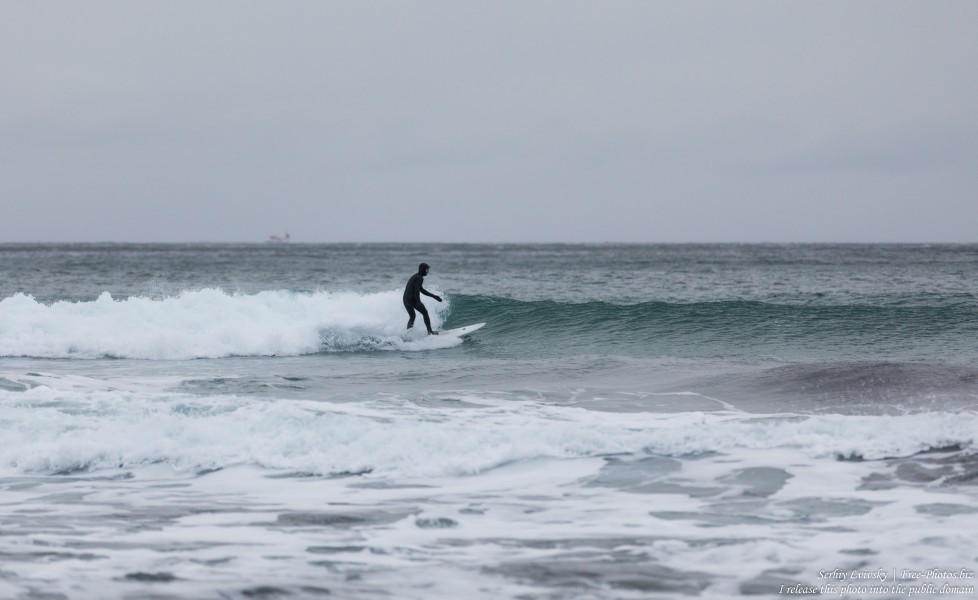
column 207, row 323
column 254, row 421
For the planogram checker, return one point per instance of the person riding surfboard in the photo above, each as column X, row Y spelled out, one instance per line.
column 412, row 297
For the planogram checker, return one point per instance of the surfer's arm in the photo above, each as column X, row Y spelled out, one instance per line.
column 427, row 293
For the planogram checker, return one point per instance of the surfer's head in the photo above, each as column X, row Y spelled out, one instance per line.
column 423, row 268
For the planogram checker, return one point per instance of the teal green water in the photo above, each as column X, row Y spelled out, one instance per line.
column 912, row 331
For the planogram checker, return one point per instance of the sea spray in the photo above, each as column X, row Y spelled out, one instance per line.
column 209, row 323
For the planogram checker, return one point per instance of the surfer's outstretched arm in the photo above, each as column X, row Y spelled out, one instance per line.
column 427, row 293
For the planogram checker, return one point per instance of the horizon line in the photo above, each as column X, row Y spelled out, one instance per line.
column 494, row 243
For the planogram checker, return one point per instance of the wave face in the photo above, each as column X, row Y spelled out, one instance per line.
column 732, row 327
column 210, row 323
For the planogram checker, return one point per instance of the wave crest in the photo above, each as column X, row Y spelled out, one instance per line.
column 210, row 323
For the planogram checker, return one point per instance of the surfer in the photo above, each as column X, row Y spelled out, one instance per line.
column 412, row 297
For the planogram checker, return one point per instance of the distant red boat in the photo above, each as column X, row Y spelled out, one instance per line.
column 278, row 239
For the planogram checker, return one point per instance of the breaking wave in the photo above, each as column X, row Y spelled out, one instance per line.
column 211, row 323
column 43, row 430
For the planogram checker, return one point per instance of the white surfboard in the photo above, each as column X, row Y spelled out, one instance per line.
column 460, row 331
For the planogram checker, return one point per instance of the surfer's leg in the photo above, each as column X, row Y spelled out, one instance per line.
column 411, row 315
column 424, row 313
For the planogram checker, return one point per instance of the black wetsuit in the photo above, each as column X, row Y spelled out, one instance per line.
column 412, row 298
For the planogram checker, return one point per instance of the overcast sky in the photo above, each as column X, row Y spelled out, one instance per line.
column 633, row 121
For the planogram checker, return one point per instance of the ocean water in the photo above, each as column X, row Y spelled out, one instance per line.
column 634, row 421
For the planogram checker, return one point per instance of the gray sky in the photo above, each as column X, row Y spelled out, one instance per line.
column 489, row 121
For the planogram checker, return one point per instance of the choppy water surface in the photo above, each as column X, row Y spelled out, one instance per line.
column 197, row 421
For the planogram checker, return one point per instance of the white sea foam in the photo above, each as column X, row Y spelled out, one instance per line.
column 211, row 323
column 43, row 430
